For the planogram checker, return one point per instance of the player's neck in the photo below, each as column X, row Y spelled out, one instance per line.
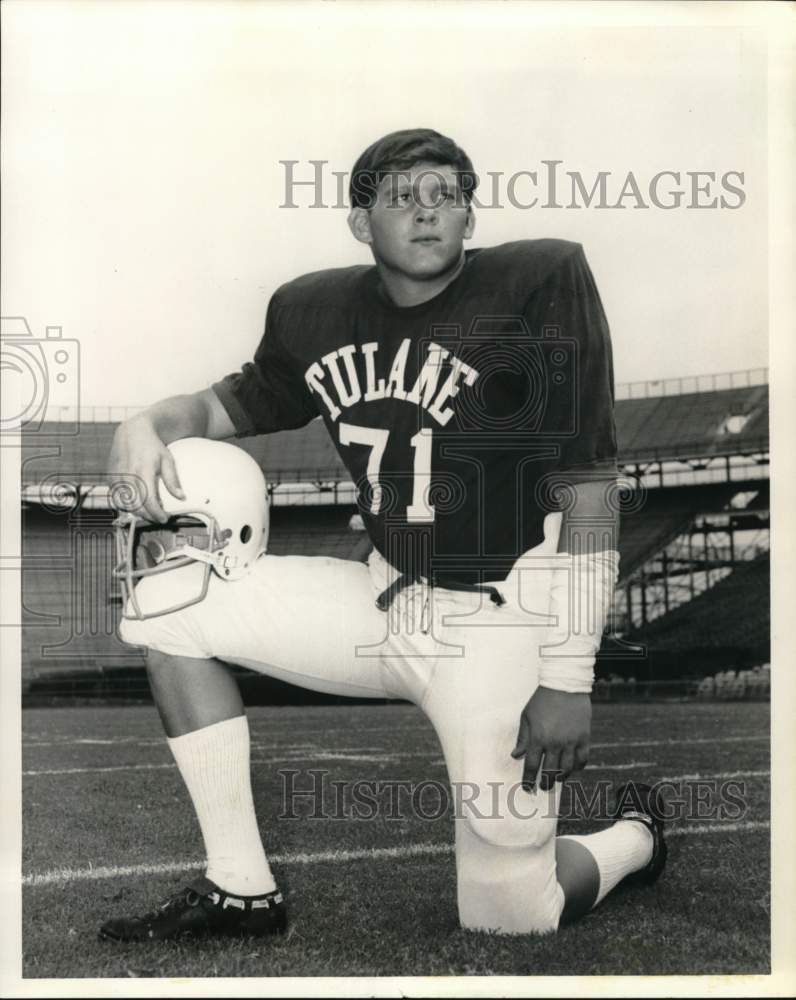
column 406, row 291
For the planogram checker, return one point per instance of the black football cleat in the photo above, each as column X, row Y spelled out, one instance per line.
column 201, row 909
column 643, row 803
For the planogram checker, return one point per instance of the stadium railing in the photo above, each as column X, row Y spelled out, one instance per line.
column 692, row 383
column 645, row 388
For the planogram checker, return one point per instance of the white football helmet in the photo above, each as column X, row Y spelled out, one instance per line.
column 222, row 524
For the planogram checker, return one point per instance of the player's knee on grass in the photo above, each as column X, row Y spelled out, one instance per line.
column 506, row 890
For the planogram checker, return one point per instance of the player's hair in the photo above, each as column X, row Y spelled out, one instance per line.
column 402, row 150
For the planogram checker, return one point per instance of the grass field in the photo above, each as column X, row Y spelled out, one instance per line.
column 108, row 828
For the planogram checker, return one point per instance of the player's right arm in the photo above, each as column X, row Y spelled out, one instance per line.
column 268, row 394
column 140, row 455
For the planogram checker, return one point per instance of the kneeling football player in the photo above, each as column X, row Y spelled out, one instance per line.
column 470, row 395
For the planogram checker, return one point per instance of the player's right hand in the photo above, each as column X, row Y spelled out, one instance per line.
column 138, row 459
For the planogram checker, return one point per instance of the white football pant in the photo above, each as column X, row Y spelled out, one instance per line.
column 469, row 664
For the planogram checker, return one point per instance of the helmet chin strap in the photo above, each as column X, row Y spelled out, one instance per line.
column 215, row 559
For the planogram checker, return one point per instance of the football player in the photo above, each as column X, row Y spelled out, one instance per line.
column 470, row 395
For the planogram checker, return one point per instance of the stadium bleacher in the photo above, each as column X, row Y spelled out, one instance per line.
column 647, row 429
column 734, row 613
column 693, row 424
column 666, row 513
column 293, row 456
column 729, row 685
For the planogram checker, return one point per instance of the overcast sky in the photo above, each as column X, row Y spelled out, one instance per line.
column 142, row 182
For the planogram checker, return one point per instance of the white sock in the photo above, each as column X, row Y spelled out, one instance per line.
column 622, row 849
column 214, row 764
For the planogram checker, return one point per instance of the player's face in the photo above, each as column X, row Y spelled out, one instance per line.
column 418, row 222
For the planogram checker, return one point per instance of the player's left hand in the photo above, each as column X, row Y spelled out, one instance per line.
column 555, row 726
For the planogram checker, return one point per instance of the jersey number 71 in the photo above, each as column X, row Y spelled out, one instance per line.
column 419, row 510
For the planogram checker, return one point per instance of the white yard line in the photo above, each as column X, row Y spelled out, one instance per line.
column 679, row 743
column 256, row 745
column 314, row 757
column 630, row 766
column 97, row 770
column 337, row 755
column 721, row 776
column 64, row 875
column 706, row 829
column 160, row 741
column 393, row 758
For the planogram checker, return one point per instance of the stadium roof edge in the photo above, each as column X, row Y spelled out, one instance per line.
column 686, row 384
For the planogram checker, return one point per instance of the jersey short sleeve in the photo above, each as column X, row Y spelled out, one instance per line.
column 269, row 393
column 568, row 302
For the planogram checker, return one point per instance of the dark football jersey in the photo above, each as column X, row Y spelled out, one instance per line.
column 457, row 417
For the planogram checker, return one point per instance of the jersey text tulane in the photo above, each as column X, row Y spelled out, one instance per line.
column 429, row 390
column 454, row 417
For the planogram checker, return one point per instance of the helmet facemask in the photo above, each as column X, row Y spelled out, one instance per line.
column 146, row 549
column 220, row 523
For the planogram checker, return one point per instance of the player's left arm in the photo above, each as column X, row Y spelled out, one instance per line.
column 555, row 725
